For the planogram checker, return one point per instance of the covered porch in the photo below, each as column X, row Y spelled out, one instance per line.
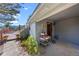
column 64, row 25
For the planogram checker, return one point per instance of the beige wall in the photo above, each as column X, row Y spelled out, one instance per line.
column 33, row 30
column 68, row 30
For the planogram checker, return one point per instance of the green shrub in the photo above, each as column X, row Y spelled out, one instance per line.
column 31, row 44
column 24, row 43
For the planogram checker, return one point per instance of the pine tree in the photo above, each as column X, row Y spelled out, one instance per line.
column 8, row 11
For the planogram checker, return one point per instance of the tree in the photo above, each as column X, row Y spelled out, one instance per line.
column 9, row 8
column 7, row 24
column 8, row 11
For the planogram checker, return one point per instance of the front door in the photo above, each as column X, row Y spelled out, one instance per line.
column 49, row 29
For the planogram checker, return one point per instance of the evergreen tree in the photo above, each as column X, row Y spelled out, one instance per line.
column 8, row 11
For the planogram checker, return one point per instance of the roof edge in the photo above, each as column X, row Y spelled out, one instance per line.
column 33, row 12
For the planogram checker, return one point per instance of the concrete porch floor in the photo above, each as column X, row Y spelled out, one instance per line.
column 61, row 49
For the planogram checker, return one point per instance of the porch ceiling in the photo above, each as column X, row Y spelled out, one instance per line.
column 68, row 13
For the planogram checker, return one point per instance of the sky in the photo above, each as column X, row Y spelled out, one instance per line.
column 24, row 14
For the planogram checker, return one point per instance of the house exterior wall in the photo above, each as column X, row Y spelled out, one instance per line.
column 68, row 30
column 38, row 24
column 33, row 30
column 44, row 11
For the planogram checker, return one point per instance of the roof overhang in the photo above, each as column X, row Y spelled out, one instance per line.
column 47, row 9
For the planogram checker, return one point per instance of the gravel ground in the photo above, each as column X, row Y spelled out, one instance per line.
column 13, row 48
